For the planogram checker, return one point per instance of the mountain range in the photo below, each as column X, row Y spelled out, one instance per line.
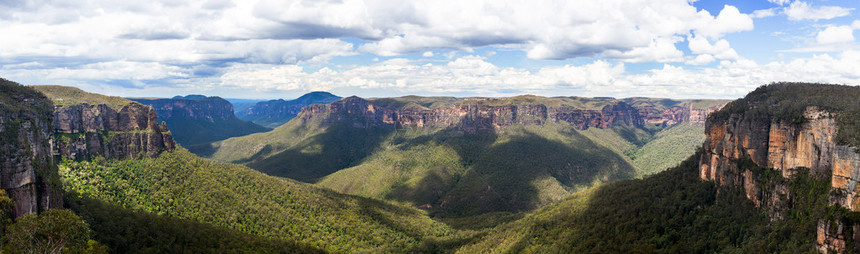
column 775, row 171
column 274, row 113
column 455, row 156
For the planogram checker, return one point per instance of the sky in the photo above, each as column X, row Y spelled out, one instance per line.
column 270, row 49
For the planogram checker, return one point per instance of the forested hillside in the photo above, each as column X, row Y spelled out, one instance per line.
column 455, row 157
column 670, row 212
column 180, row 185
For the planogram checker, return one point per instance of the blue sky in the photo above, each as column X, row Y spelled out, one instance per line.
column 376, row 48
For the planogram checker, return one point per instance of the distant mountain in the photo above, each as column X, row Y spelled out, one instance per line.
column 457, row 156
column 242, row 105
column 196, row 119
column 275, row 113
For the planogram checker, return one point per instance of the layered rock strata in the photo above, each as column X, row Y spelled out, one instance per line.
column 784, row 147
column 128, row 131
column 472, row 117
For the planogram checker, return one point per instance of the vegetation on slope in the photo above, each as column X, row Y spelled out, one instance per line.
column 181, row 185
column 670, row 212
column 66, row 95
column 453, row 173
column 668, row 148
column 125, row 230
column 517, row 169
column 192, row 132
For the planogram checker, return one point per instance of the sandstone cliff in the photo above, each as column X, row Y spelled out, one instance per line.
column 87, row 124
column 27, row 170
column 196, row 119
column 783, row 147
column 128, row 131
column 472, row 115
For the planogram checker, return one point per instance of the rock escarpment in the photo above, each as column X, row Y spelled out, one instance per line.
column 784, row 147
column 472, row 116
column 197, row 119
column 27, row 169
column 127, row 131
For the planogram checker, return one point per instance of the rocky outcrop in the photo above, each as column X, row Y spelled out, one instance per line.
column 128, row 131
column 677, row 114
column 197, row 119
column 472, row 117
column 27, row 169
column 784, row 147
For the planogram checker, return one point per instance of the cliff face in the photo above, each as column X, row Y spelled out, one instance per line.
column 129, row 131
column 783, row 147
column 676, row 114
column 474, row 117
column 27, row 170
column 197, row 119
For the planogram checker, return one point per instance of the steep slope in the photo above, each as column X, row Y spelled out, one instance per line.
column 181, row 185
column 669, row 212
column 454, row 156
column 124, row 230
column 87, row 125
column 196, row 119
column 27, row 169
column 668, row 148
column 780, row 129
column 274, row 113
column 172, row 199
column 779, row 171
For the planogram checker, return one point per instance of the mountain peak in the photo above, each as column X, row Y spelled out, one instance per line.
column 317, row 96
column 190, row 97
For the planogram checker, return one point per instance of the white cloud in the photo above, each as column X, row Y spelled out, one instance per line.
column 261, row 45
column 701, row 59
column 799, row 10
column 730, row 20
column 764, row 13
column 779, row 2
column 210, row 32
column 660, row 50
column 835, row 35
column 720, row 49
column 831, row 38
column 472, row 75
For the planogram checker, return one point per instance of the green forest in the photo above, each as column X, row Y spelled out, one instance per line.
column 533, row 189
column 180, row 185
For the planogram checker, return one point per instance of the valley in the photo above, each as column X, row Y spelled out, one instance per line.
column 445, row 174
column 455, row 156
